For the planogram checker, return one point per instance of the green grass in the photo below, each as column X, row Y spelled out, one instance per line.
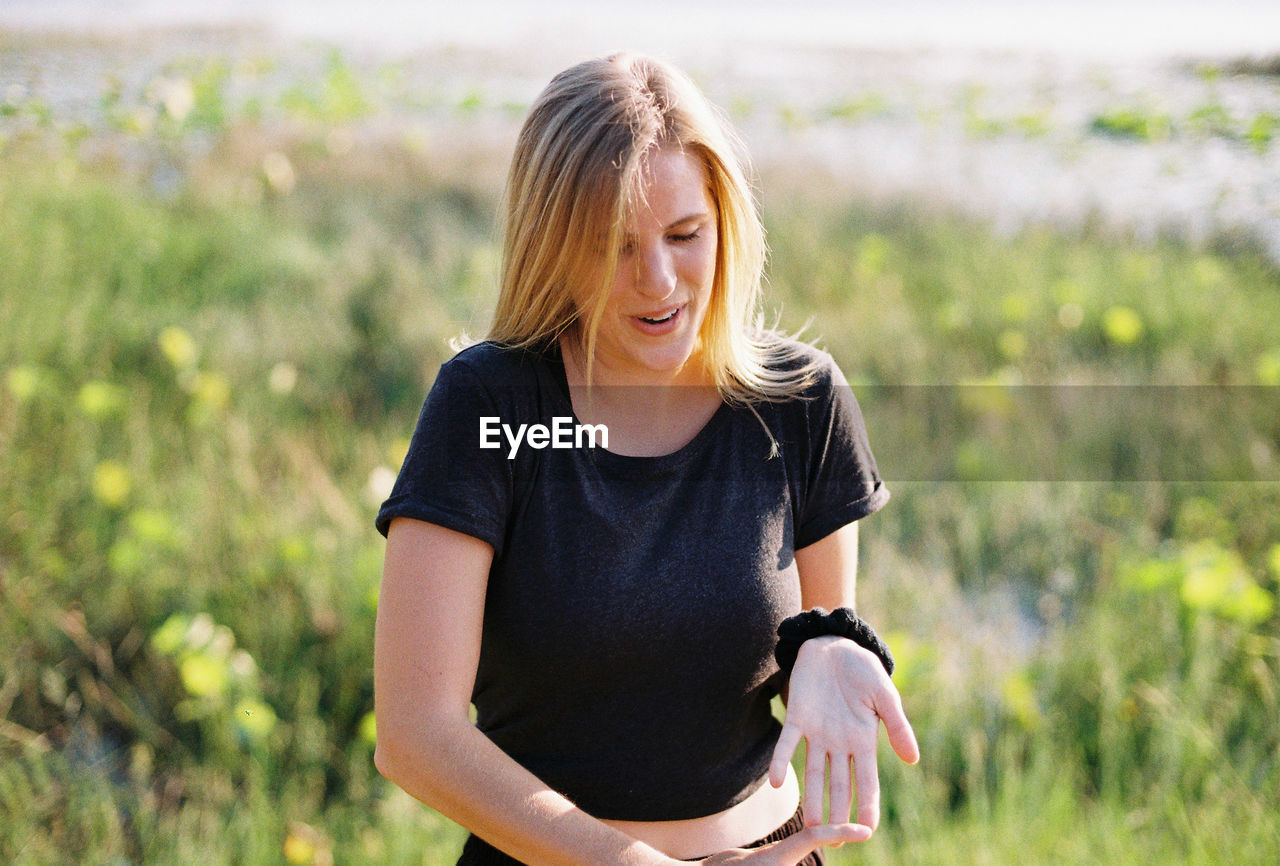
column 203, row 386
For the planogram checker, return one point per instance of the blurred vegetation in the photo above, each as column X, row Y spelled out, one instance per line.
column 218, row 319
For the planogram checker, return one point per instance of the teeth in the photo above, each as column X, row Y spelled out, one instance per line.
column 665, row 318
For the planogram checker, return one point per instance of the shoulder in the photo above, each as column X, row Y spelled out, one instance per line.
column 501, row 373
column 791, row 353
column 817, row 399
column 495, row 362
column 810, row 371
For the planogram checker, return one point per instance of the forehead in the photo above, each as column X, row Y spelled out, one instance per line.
column 672, row 184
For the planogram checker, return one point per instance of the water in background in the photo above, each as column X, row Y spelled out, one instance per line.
column 1089, row 112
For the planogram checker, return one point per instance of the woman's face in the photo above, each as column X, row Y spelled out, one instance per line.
column 660, row 294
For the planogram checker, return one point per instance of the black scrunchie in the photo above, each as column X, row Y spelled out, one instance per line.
column 842, row 621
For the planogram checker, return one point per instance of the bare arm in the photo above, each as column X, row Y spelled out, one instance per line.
column 829, row 570
column 426, row 650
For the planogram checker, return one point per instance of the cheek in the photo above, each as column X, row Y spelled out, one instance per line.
column 617, row 290
column 590, row 288
column 705, row 263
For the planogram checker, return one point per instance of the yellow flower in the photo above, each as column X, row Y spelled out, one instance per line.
column 211, row 393
column 306, row 846
column 1218, row 581
column 1019, row 696
column 111, row 483
column 1122, row 325
column 1268, row 368
column 254, row 718
column 22, row 381
column 178, row 347
column 369, row 729
column 1015, row 307
column 298, row 850
column 397, row 450
column 100, row 399
column 1013, row 344
column 204, row 675
column 213, row 390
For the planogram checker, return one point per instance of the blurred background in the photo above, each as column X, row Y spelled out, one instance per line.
column 1041, row 239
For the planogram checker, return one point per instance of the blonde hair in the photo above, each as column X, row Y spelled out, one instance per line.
column 576, row 174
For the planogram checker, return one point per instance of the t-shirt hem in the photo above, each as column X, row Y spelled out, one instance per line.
column 685, row 811
column 464, row 523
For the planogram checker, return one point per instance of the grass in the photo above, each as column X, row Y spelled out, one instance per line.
column 207, row 374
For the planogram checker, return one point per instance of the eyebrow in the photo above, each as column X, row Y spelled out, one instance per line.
column 702, row 214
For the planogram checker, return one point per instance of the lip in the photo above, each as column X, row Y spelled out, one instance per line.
column 656, row 329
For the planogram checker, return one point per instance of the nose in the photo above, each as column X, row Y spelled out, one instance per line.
column 655, row 272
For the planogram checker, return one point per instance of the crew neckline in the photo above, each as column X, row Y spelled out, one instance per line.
column 655, row 462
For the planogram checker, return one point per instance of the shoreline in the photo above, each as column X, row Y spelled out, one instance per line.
column 1146, row 148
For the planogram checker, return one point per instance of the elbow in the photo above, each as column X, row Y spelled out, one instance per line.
column 407, row 769
column 412, row 758
column 395, row 759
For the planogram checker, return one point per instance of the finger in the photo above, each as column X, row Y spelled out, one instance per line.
column 867, row 779
column 840, row 796
column 901, row 736
column 815, row 772
column 782, row 753
column 798, row 846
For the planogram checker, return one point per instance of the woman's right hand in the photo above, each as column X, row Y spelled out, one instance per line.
column 794, row 848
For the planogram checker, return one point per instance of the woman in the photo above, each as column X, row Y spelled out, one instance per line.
column 610, row 601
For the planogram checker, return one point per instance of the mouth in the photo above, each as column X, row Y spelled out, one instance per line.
column 662, row 318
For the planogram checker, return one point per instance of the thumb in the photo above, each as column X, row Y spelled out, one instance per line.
column 798, row 846
column 901, row 737
column 788, row 740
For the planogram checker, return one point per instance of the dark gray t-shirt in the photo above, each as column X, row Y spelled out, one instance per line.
column 630, row 613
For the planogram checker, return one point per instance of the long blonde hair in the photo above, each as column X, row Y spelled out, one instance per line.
column 576, row 174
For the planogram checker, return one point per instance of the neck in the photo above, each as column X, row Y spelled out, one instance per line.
column 604, row 375
column 646, row 416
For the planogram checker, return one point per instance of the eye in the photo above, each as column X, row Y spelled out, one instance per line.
column 687, row 238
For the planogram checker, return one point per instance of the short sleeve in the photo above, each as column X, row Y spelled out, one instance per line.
column 447, row 478
column 842, row 482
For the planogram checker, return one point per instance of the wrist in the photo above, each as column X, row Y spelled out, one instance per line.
column 796, row 632
column 822, row 642
column 830, row 643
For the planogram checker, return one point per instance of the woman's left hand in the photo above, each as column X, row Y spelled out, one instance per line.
column 839, row 694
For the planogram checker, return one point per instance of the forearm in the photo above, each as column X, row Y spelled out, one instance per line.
column 434, row 584
column 459, row 772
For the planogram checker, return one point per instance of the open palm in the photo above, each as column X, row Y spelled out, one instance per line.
column 839, row 694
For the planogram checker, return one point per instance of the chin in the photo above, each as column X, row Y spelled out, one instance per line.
column 666, row 361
